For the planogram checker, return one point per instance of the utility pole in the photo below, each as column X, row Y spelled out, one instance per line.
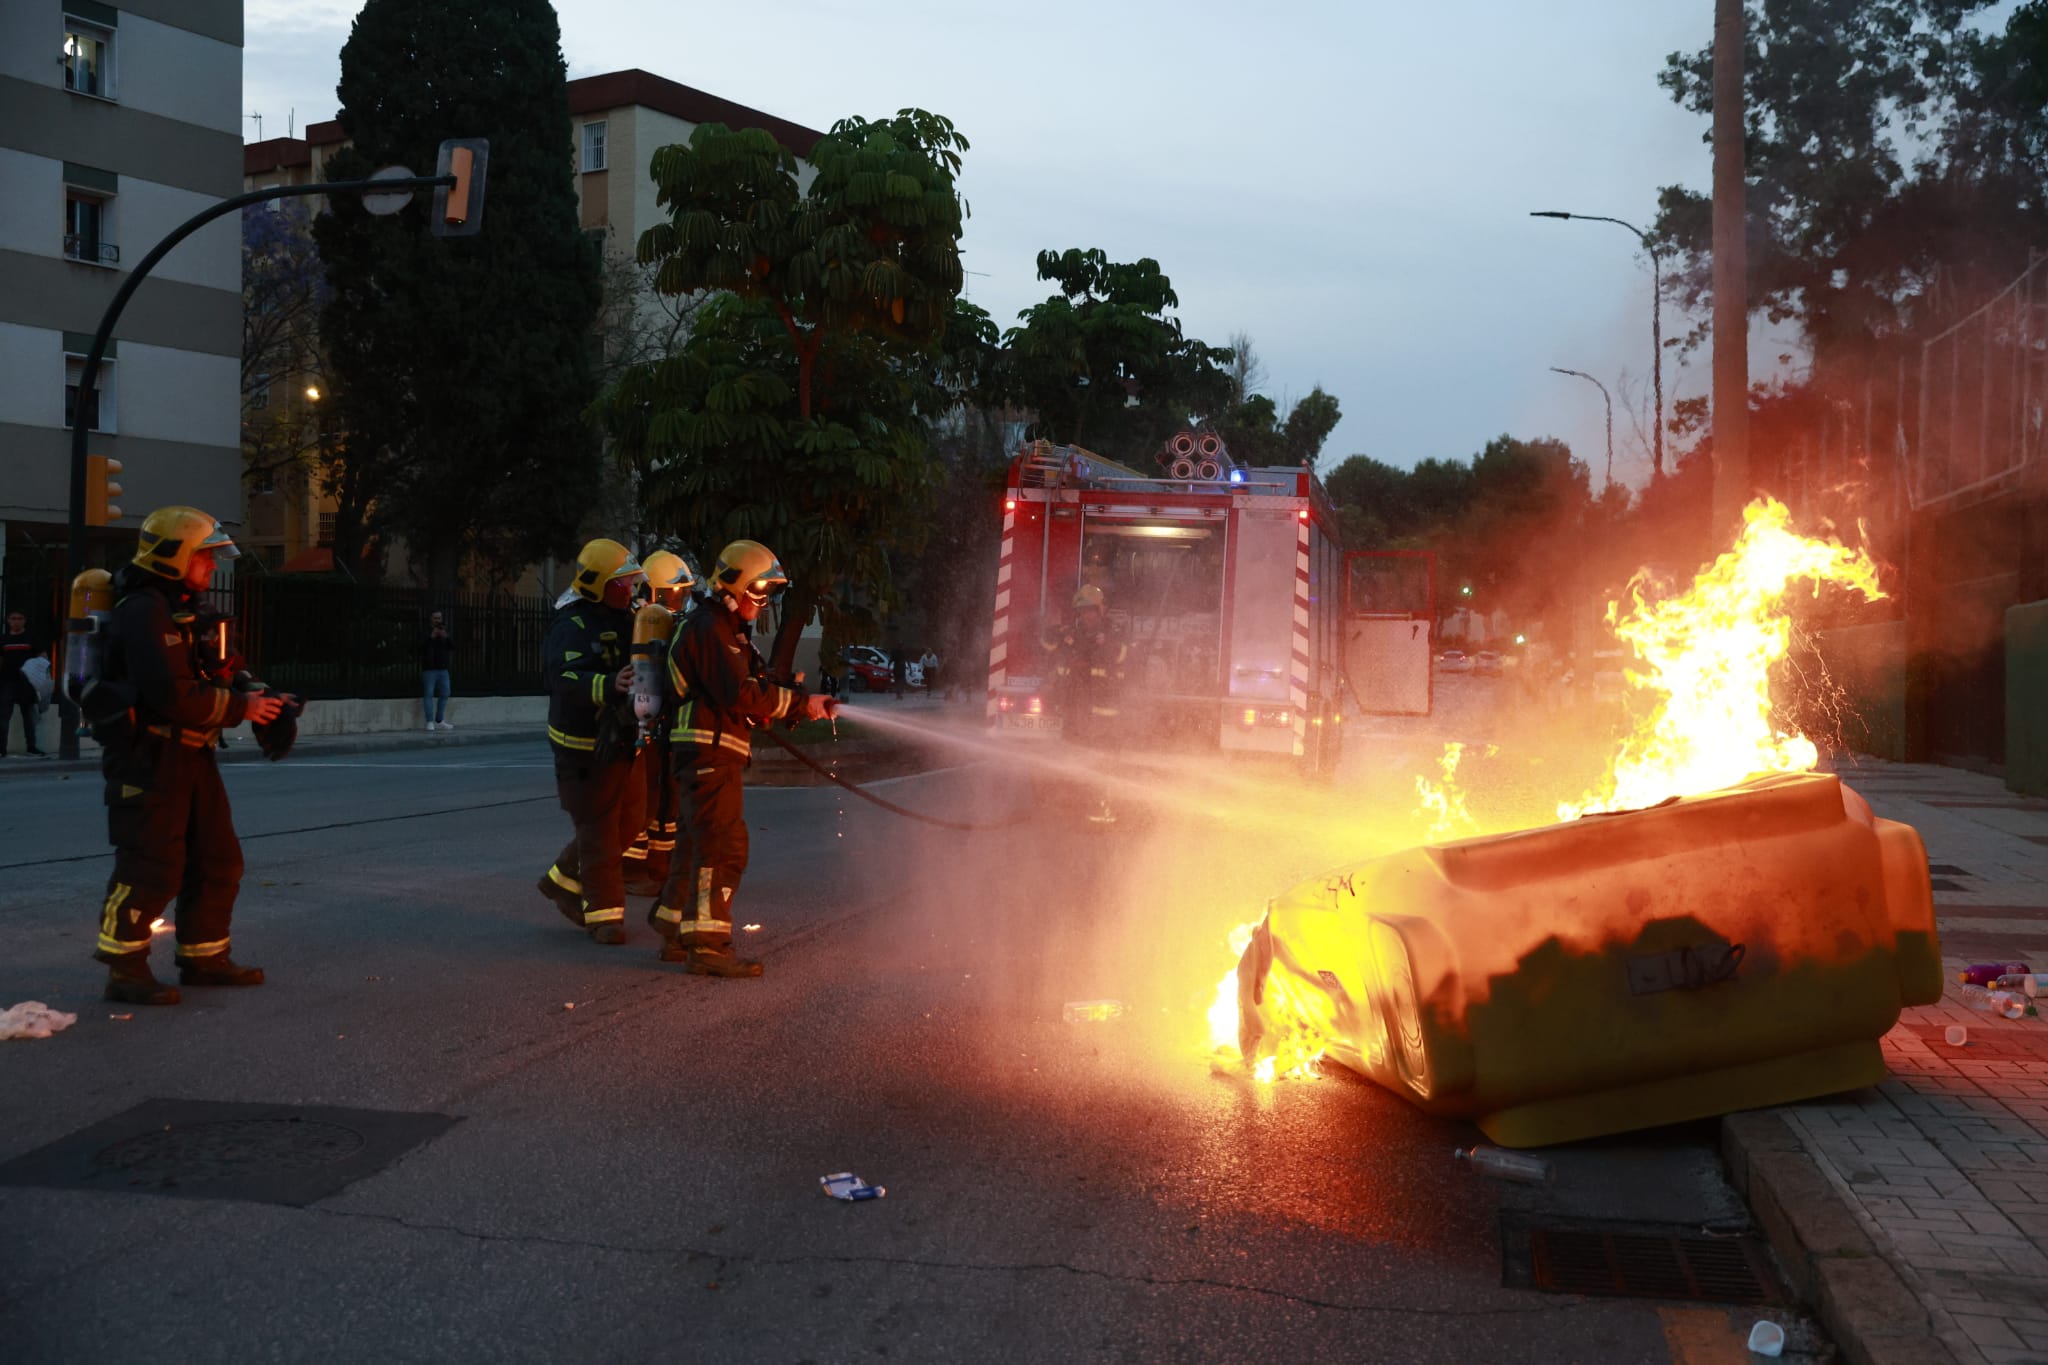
column 1731, row 290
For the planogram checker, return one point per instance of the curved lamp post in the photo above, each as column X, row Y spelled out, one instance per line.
column 1558, row 369
column 1649, row 245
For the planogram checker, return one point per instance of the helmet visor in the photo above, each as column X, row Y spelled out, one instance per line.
column 767, row 586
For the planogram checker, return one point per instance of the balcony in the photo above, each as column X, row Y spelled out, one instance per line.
column 90, row 250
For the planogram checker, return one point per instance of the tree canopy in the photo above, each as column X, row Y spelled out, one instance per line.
column 797, row 412
column 460, row 367
column 1103, row 364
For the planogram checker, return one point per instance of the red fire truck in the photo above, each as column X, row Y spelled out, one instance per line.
column 1225, row 584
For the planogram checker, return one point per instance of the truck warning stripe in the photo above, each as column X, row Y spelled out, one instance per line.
column 999, row 632
column 1297, row 691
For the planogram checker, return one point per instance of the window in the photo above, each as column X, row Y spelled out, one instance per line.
column 593, row 146
column 85, row 230
column 99, row 404
column 326, row 534
column 88, row 57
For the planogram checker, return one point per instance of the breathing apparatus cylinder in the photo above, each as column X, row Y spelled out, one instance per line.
column 653, row 626
column 92, row 606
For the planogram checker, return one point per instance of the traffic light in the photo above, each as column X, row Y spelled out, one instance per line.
column 459, row 208
column 101, row 490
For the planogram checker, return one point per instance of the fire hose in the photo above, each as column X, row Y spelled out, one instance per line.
column 966, row 826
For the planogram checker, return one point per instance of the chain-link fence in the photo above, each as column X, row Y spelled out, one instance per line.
column 1984, row 394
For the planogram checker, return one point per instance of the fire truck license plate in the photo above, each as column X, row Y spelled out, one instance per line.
column 1026, row 722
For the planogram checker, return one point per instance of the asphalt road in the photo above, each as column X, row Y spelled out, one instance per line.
column 634, row 1173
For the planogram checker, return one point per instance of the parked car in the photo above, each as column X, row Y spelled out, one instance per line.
column 1486, row 661
column 868, row 670
column 1454, row 661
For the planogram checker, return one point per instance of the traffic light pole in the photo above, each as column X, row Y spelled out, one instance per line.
column 74, row 555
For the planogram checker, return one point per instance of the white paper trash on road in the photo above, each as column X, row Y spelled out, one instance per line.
column 33, row 1019
column 850, row 1187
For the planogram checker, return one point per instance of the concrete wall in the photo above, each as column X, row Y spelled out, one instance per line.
column 2026, row 698
column 1869, row 664
column 368, row 716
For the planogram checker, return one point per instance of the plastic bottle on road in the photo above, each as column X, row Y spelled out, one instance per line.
column 2027, row 983
column 2011, row 1004
column 1984, row 973
column 1530, row 1170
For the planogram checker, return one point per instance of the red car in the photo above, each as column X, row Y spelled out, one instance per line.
column 868, row 670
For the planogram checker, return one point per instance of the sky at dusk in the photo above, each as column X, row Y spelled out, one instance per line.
column 1349, row 184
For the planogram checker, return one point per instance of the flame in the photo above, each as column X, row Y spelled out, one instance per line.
column 1709, row 654
column 159, row 926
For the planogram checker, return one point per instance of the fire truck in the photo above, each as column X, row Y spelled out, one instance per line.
column 1224, row 582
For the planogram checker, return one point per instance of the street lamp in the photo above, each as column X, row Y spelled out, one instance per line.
column 1559, row 369
column 1649, row 245
column 313, row 392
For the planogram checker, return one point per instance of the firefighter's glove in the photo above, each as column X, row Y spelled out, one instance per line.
column 820, row 707
column 276, row 735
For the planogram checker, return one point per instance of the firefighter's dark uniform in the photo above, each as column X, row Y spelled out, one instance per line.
column 592, row 733
column 651, row 809
column 167, row 811
column 720, row 691
column 1088, row 665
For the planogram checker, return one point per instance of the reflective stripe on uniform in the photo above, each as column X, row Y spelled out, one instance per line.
column 611, row 916
column 739, row 744
column 572, row 741
column 597, row 689
column 110, row 915
column 213, row 949
column 668, row 915
column 569, row 884
column 123, row 946
column 711, row 926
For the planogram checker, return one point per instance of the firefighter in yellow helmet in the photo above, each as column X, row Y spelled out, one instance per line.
column 651, row 796
column 589, row 676
column 721, row 691
column 1088, row 660
column 157, row 707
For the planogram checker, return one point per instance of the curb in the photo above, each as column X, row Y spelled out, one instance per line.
column 1830, row 1262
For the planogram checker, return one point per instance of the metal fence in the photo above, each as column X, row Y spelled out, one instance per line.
column 322, row 638
column 1984, row 395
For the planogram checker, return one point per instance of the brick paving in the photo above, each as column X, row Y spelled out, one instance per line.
column 1946, row 1163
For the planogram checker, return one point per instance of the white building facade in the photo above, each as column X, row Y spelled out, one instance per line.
column 116, row 124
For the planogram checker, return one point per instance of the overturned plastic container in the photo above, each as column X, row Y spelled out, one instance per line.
column 1742, row 948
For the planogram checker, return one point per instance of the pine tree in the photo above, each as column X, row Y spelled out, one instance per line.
column 461, row 367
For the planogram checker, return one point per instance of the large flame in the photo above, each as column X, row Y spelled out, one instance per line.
column 1707, row 656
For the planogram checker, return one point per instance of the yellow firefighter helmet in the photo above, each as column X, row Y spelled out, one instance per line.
column 668, row 574
column 172, row 535
column 1088, row 596
column 748, row 567
column 598, row 564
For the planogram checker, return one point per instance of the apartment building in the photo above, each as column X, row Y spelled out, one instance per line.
column 117, row 123
column 617, row 120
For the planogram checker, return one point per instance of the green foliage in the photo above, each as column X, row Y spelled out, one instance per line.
column 460, row 368
column 1256, row 436
column 796, row 413
column 1887, row 143
column 1106, row 338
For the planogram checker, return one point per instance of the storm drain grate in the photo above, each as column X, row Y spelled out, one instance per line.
column 201, row 1149
column 1637, row 1266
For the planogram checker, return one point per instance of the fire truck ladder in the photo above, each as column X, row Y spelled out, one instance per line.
column 1049, row 466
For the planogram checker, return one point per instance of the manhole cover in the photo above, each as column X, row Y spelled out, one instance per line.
column 1635, row 1260
column 205, row 1149
column 220, row 1151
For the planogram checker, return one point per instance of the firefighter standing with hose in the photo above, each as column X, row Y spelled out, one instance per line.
column 720, row 689
column 593, row 734
column 1088, row 658
column 651, row 799
column 157, row 705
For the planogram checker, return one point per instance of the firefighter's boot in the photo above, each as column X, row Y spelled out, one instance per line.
column 218, row 970
column 713, row 962
column 570, row 903
column 645, row 883
column 130, row 982
column 610, row 933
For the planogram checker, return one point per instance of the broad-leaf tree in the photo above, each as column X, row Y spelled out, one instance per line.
column 461, row 366
column 283, row 292
column 1104, row 364
column 796, row 412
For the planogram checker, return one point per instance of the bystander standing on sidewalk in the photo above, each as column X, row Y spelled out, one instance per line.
column 929, row 666
column 437, row 652
column 899, row 667
column 17, row 648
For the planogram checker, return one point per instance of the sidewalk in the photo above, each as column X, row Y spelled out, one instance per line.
column 1914, row 1216
column 242, row 747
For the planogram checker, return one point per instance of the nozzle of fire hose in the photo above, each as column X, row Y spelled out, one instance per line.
column 275, row 737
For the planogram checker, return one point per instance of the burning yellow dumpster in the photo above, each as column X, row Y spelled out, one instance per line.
column 1739, row 948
